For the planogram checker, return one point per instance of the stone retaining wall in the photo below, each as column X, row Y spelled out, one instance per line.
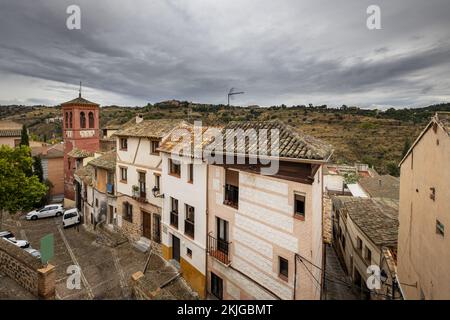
column 27, row 271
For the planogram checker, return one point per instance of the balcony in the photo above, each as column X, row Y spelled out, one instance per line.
column 231, row 196
column 110, row 188
column 189, row 228
column 219, row 249
column 174, row 219
column 138, row 194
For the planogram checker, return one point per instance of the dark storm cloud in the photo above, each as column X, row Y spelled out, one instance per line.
column 277, row 51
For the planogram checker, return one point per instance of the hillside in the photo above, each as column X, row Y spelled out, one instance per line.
column 357, row 135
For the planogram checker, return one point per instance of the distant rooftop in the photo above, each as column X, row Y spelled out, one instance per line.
column 10, row 128
column 444, row 119
column 85, row 174
column 156, row 129
column 106, row 161
column 79, row 153
column 376, row 217
column 49, row 152
column 384, row 186
column 292, row 143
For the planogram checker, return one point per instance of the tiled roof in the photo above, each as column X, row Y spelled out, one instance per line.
column 10, row 128
column 106, row 161
column 79, row 153
column 80, row 101
column 48, row 152
column 150, row 128
column 376, row 217
column 385, row 186
column 292, row 143
column 182, row 139
column 85, row 174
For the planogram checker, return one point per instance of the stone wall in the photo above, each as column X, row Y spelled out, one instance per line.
column 27, row 271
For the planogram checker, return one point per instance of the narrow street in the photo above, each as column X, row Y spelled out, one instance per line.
column 104, row 271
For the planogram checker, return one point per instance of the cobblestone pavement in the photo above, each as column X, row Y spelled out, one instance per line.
column 336, row 278
column 105, row 272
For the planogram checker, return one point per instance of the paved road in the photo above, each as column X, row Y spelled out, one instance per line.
column 105, row 271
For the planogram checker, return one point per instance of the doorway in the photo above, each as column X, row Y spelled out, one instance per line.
column 175, row 248
column 146, row 225
column 156, row 228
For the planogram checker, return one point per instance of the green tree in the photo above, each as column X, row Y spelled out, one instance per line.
column 18, row 190
column 24, row 140
column 393, row 169
column 37, row 168
column 406, row 147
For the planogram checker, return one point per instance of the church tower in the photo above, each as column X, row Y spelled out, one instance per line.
column 81, row 139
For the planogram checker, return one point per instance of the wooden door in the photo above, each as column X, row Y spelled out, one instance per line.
column 147, row 225
column 175, row 248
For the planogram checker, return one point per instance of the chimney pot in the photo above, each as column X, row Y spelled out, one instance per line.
column 139, row 118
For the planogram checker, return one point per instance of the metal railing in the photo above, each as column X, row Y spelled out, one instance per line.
column 219, row 249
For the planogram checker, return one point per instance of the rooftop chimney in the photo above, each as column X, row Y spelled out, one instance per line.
column 139, row 118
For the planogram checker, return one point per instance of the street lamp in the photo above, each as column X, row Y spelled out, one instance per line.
column 156, row 194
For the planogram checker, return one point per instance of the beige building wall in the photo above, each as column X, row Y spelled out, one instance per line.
column 264, row 229
column 56, row 175
column 10, row 141
column 423, row 254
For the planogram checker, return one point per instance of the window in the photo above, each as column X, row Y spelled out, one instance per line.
column 216, row 286
column 123, row 144
column 153, row 146
column 142, row 184
column 96, row 203
column 123, row 174
column 359, row 245
column 299, row 206
column 91, row 120
column 231, row 188
column 189, row 252
column 82, row 120
column 191, row 172
column 157, row 181
column 66, row 120
column 439, row 228
column 174, row 167
column 70, row 119
column 283, row 268
column 368, row 255
column 174, row 212
column 189, row 222
column 127, row 212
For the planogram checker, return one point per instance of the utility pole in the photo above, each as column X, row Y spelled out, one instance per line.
column 232, row 93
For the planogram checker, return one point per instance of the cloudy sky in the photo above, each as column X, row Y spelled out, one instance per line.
column 284, row 51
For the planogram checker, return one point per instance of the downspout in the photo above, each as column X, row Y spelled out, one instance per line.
column 324, row 248
column 295, row 275
column 207, row 227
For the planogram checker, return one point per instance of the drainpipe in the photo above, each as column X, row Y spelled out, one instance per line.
column 206, row 233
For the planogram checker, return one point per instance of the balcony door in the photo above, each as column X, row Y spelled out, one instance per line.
column 175, row 248
column 222, row 235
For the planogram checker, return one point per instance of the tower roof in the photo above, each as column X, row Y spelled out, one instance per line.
column 80, row 101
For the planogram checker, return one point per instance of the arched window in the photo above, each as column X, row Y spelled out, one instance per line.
column 70, row 119
column 67, row 119
column 91, row 120
column 82, row 120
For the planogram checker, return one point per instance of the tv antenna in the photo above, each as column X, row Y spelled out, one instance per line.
column 232, row 92
column 79, row 92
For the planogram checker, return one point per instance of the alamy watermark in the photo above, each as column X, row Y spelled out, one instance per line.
column 73, row 21
column 373, row 21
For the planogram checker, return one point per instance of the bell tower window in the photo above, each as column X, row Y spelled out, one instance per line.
column 91, row 120
column 82, row 120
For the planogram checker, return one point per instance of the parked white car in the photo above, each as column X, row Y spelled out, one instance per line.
column 9, row 236
column 71, row 217
column 51, row 210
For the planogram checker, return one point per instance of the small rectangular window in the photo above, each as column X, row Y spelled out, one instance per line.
column 191, row 172
column 174, row 167
column 368, row 255
column 299, row 206
column 359, row 243
column 157, row 181
column 154, row 145
column 189, row 252
column 123, row 174
column 283, row 268
column 123, row 144
column 439, row 228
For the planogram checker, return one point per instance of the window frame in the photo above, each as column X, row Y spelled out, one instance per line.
column 123, row 144
column 297, row 214
column 153, row 150
column 190, row 172
column 122, row 171
column 284, row 275
column 173, row 163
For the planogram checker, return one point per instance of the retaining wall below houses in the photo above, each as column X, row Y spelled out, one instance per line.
column 27, row 271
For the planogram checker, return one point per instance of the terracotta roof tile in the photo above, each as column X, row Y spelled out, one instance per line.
column 384, row 186
column 150, row 128
column 79, row 153
column 106, row 161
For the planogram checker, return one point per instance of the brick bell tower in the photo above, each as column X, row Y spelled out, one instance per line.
column 81, row 138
